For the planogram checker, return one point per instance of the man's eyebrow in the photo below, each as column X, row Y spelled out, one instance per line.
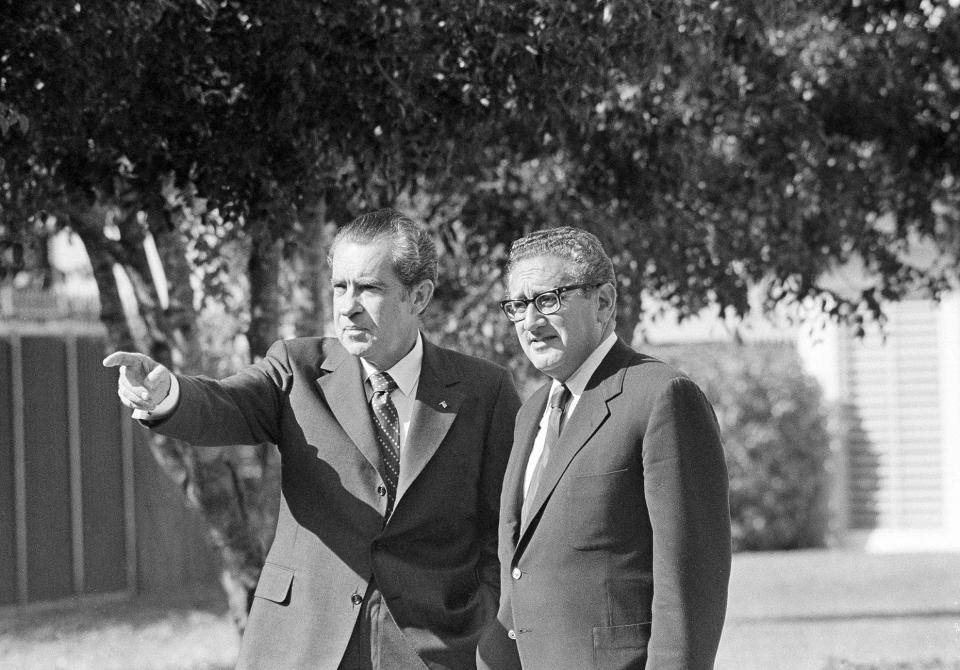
column 363, row 279
column 375, row 282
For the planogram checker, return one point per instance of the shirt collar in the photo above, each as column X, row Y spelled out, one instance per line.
column 406, row 371
column 577, row 382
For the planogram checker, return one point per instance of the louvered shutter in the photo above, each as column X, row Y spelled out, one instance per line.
column 895, row 457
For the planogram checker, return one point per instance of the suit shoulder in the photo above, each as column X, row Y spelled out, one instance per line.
column 306, row 355
column 299, row 346
column 653, row 382
column 651, row 371
column 469, row 364
column 311, row 343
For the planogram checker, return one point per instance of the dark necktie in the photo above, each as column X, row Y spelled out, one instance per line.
column 558, row 400
column 386, row 424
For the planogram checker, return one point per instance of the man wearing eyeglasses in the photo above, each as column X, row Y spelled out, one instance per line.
column 614, row 520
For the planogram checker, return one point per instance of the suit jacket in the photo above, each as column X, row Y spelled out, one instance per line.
column 625, row 557
column 434, row 560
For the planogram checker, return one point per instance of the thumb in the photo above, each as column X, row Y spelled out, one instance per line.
column 156, row 373
column 158, row 379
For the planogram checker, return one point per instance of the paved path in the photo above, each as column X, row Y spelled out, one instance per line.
column 809, row 610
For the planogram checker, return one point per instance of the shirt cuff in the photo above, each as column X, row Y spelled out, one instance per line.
column 165, row 407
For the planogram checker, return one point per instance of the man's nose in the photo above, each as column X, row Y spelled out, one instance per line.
column 531, row 317
column 347, row 303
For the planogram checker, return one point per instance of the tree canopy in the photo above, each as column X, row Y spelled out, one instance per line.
column 713, row 147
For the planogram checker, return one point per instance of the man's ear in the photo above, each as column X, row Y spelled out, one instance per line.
column 420, row 295
column 607, row 299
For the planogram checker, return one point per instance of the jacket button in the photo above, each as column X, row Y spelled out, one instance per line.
column 516, row 573
column 381, row 490
column 356, row 599
column 512, row 634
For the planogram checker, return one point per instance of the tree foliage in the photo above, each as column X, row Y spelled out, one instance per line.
column 713, row 146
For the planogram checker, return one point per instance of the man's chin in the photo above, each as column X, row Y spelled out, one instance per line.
column 546, row 361
column 354, row 346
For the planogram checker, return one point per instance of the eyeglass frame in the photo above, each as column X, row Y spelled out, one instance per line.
column 559, row 291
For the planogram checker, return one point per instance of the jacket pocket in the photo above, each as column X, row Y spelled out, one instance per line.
column 620, row 647
column 599, row 484
column 274, row 583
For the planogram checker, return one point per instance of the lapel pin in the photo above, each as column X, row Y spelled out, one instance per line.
column 443, row 404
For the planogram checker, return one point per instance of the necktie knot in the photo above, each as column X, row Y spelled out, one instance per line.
column 559, row 396
column 383, row 382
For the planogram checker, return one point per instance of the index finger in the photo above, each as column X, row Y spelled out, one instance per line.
column 123, row 358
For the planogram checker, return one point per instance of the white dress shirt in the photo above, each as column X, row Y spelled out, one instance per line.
column 576, row 383
column 406, row 372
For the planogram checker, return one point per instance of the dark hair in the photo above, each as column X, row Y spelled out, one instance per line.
column 588, row 262
column 413, row 250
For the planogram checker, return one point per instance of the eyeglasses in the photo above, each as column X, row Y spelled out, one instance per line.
column 546, row 303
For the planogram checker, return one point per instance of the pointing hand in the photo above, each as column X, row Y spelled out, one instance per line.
column 143, row 382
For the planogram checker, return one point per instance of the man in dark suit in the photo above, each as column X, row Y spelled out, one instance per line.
column 614, row 519
column 385, row 550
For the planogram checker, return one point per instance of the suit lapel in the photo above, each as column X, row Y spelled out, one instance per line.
column 591, row 411
column 434, row 409
column 343, row 390
column 528, row 422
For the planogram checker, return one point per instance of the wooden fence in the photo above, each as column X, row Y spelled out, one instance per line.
column 84, row 509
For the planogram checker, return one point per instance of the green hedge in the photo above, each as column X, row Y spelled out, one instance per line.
column 774, row 428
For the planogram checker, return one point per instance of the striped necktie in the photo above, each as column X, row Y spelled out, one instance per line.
column 386, row 423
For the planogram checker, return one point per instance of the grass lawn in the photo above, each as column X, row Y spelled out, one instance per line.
column 838, row 610
column 808, row 610
column 189, row 632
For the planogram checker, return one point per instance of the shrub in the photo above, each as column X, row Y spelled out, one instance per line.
column 774, row 429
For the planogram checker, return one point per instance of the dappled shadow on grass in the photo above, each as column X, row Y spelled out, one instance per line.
column 853, row 616
column 186, row 631
column 936, row 664
column 77, row 617
column 804, row 609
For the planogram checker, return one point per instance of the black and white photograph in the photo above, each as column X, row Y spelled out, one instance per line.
column 480, row 335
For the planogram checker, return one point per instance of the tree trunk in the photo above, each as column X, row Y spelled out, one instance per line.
column 311, row 272
column 263, row 270
column 234, row 488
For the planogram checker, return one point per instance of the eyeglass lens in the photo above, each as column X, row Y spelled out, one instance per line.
column 547, row 302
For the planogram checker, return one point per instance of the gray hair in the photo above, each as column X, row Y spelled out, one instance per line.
column 587, row 262
column 413, row 250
